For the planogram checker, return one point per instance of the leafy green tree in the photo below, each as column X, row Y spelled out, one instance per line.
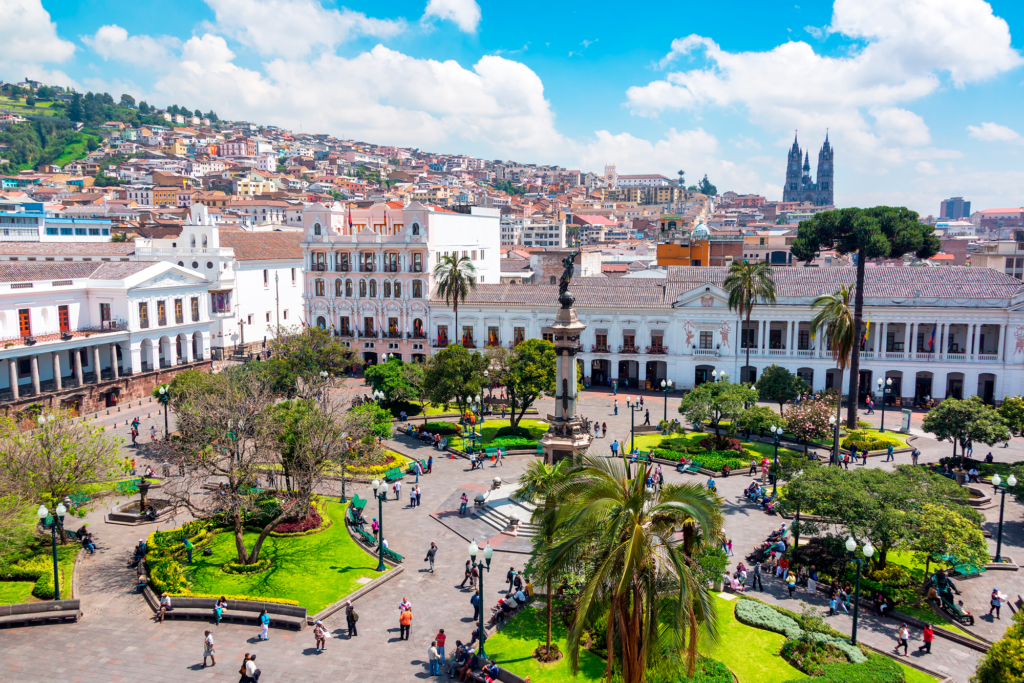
column 303, row 353
column 716, row 401
column 778, row 384
column 965, row 421
column 639, row 574
column 415, row 377
column 390, row 379
column 1004, row 662
column 144, row 108
column 759, row 419
column 376, row 418
column 1012, row 412
column 531, row 374
column 30, row 101
column 939, row 532
column 127, row 100
column 747, row 283
column 682, row 179
column 453, row 375
column 880, row 232
column 834, row 322
column 705, row 187
column 455, row 276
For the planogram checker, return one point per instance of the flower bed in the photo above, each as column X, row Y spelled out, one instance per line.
column 711, row 460
column 870, row 442
column 312, row 520
column 709, row 444
column 443, row 428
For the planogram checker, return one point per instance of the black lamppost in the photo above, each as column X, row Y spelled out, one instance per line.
column 869, row 550
column 666, row 384
column 165, row 398
column 488, row 553
column 381, row 497
column 997, row 481
column 776, row 436
column 884, row 389
column 835, row 439
column 344, row 460
column 56, row 522
column 634, row 408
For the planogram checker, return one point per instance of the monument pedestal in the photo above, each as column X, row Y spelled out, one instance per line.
column 565, row 439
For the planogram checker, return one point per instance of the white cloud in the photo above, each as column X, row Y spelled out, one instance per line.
column 465, row 13
column 28, row 39
column 993, row 132
column 113, row 42
column 894, row 125
column 294, row 28
column 926, row 168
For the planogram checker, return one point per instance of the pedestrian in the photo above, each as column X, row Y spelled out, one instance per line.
column 728, row 547
column 398, row 489
column 615, row 392
column 753, row 467
column 468, row 573
column 188, row 550
column 208, row 650
column 440, row 639
column 996, row 602
column 846, row 460
column 888, row 453
column 435, row 668
column 604, row 430
column 929, row 636
column 152, row 433
column 404, row 622
column 474, row 573
column 501, row 459
column 419, row 496
column 914, row 455
column 597, row 430
column 431, row 553
column 320, row 636
column 374, row 527
column 264, row 625
column 853, row 454
column 615, row 448
column 903, row 639
column 791, row 583
column 416, row 470
column 251, row 672
column 472, row 461
column 351, row 618
column 757, row 583
column 647, row 414
column 509, row 577
column 135, row 436
column 475, row 601
column 430, row 465
column 641, row 401
column 615, row 405
column 412, row 496
column 764, row 471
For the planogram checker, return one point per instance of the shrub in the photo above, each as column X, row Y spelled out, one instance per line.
column 827, row 555
column 442, row 428
column 726, row 444
column 229, row 598
column 901, row 596
column 512, row 442
column 810, row 656
column 877, row 669
column 1004, row 663
column 893, row 576
column 871, row 442
column 39, row 568
column 852, row 652
column 670, row 669
column 312, row 520
column 985, row 469
column 262, row 565
column 760, row 615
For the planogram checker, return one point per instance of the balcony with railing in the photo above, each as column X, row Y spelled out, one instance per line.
column 104, row 327
column 467, row 342
column 341, row 268
column 705, row 352
column 318, row 267
column 658, row 349
column 599, row 348
column 777, row 352
column 391, row 268
column 394, row 335
column 629, row 348
column 439, row 343
column 365, row 267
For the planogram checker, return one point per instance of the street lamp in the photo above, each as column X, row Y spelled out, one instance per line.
column 714, row 375
column 378, row 396
column 634, row 408
column 344, row 459
column 869, row 550
column 488, row 553
column 165, row 399
column 885, row 392
column 56, row 521
column 776, row 436
column 835, row 439
column 666, row 384
column 997, row 481
column 381, row 497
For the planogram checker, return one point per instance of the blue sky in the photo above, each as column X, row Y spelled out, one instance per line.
column 919, row 96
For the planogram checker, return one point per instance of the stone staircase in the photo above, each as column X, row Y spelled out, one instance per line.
column 498, row 518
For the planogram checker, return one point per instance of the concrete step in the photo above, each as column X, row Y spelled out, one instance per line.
column 498, row 520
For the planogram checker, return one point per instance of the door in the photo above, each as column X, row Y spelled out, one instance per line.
column 955, row 389
column 923, row 389
column 24, row 324
column 895, row 390
column 987, row 391
column 700, row 377
column 864, row 385
column 63, row 318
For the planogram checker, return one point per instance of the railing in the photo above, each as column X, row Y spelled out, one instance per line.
column 365, row 267
column 29, row 340
column 777, row 352
column 416, row 268
column 147, row 367
column 988, row 357
column 394, row 335
column 894, row 355
column 657, row 349
column 390, row 268
column 469, row 344
column 318, row 267
column 806, row 353
column 599, row 348
column 341, row 268
column 439, row 343
column 164, row 364
column 629, row 348
column 956, row 356
column 705, row 352
column 417, row 335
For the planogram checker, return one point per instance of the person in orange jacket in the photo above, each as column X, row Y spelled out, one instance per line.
column 404, row 621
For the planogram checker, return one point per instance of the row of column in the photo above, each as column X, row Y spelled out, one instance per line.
column 74, row 356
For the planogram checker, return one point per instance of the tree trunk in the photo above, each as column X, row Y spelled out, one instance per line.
column 927, row 561
column 550, row 601
column 858, row 326
column 455, row 309
column 243, row 555
column 691, row 651
column 796, row 528
column 254, row 556
column 610, row 643
column 835, row 428
column 424, row 409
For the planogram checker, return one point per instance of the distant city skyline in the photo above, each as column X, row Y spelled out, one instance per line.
column 920, row 100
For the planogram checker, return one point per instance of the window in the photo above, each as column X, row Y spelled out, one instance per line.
column 248, row 320
column 398, row 289
column 318, row 287
column 518, row 335
column 266, row 278
column 393, row 328
column 415, row 228
column 220, row 302
column 707, row 339
column 293, row 276
column 195, row 310
column 387, row 289
column 417, row 263
column 317, row 230
column 143, row 314
column 321, row 322
column 373, row 289
column 104, row 314
column 268, row 316
column 553, row 280
column 346, row 330
column 344, row 263
column 417, row 328
column 284, row 314
column 803, row 340
column 473, row 255
column 467, row 335
column 656, row 341
column 179, row 311
column 481, row 279
column 549, row 337
column 348, row 288
column 161, row 313
column 481, row 254
column 362, row 288
column 368, row 328
column 492, row 336
column 442, row 334
column 417, row 289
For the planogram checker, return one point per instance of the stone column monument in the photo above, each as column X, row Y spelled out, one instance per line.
column 568, row 434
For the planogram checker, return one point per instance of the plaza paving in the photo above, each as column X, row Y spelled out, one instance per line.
column 117, row 640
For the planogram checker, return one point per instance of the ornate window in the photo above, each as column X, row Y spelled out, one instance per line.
column 337, row 288
column 348, row 288
column 317, row 230
column 373, row 289
column 417, row 289
column 362, row 288
column 398, row 289
column 321, row 322
column 387, row 289
column 417, row 328
column 319, row 287
column 415, row 228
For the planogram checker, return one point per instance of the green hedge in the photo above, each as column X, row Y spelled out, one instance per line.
column 871, row 442
column 877, row 669
column 760, row 615
column 511, row 442
column 262, row 565
column 712, row 460
column 39, row 568
column 442, row 428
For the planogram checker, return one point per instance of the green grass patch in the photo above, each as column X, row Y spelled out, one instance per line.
column 414, row 410
column 512, row 648
column 646, row 442
column 752, row 654
column 912, row 675
column 489, row 430
column 73, row 151
column 16, row 592
column 315, row 570
column 99, row 487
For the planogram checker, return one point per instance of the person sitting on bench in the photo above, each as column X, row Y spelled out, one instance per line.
column 965, row 613
column 165, row 606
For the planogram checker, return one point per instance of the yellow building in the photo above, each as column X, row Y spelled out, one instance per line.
column 165, row 196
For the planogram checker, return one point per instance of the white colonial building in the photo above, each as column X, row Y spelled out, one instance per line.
column 88, row 335
column 937, row 332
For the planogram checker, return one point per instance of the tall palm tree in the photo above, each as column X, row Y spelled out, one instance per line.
column 538, row 484
column 455, row 275
column 835, row 321
column 638, row 567
column 747, row 283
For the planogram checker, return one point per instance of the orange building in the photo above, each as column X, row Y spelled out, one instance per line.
column 698, row 248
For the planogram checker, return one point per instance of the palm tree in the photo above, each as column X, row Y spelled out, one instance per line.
column 746, row 284
column 455, row 276
column 539, row 483
column 836, row 321
column 638, row 567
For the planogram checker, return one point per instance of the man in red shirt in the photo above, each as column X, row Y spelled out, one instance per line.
column 440, row 638
column 929, row 635
column 783, row 568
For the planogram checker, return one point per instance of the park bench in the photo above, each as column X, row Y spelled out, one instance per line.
column 365, row 536
column 394, row 474
column 291, row 616
column 411, row 470
column 953, row 609
column 358, row 503
column 692, row 468
column 392, row 555
column 968, row 570
column 59, row 610
column 491, row 452
column 540, row 449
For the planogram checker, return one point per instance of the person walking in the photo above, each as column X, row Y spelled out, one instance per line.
column 419, row 496
column 764, row 471
column 499, row 459
column 475, row 601
column 435, row 668
column 914, row 455
column 615, row 448
column 791, row 583
column 320, row 636
column 463, row 504
column 902, row 639
column 398, row 489
column 430, row 465
column 208, row 650
column 188, row 550
column 264, row 625
column 431, row 553
column 467, row 574
column 995, row 602
column 929, row 636
column 374, row 527
column 416, row 470
column 853, row 453
column 509, row 577
column 615, row 405
column 888, row 454
column 753, row 467
column 404, row 622
column 251, row 674
column 728, row 547
column 641, row 401
column 604, row 430
column 135, row 436
column 351, row 618
column 757, row 583
column 647, row 415
column 474, row 573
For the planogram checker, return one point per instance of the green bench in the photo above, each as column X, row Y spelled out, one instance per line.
column 968, row 570
column 693, row 467
column 540, row 449
column 392, row 555
column 490, row 452
column 394, row 474
column 358, row 503
column 366, row 537
column 410, row 470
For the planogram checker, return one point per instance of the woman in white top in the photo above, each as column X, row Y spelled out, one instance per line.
column 208, row 650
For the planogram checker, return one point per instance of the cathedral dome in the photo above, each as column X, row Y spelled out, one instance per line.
column 701, row 232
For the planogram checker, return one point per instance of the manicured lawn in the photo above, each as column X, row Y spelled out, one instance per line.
column 316, row 570
column 512, row 648
column 14, row 592
column 752, row 654
column 489, row 428
column 431, row 409
column 912, row 675
column 104, row 486
column 646, row 442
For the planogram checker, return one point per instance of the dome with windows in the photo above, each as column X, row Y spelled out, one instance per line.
column 701, row 232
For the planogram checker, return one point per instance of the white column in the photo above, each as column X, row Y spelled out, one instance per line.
column 96, row 363
column 762, row 340
column 34, row 363
column 975, row 330
column 791, row 334
column 135, row 353
column 186, row 347
column 907, row 340
column 12, row 375
column 113, row 361
column 77, row 353
column 1003, row 331
column 56, row 371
